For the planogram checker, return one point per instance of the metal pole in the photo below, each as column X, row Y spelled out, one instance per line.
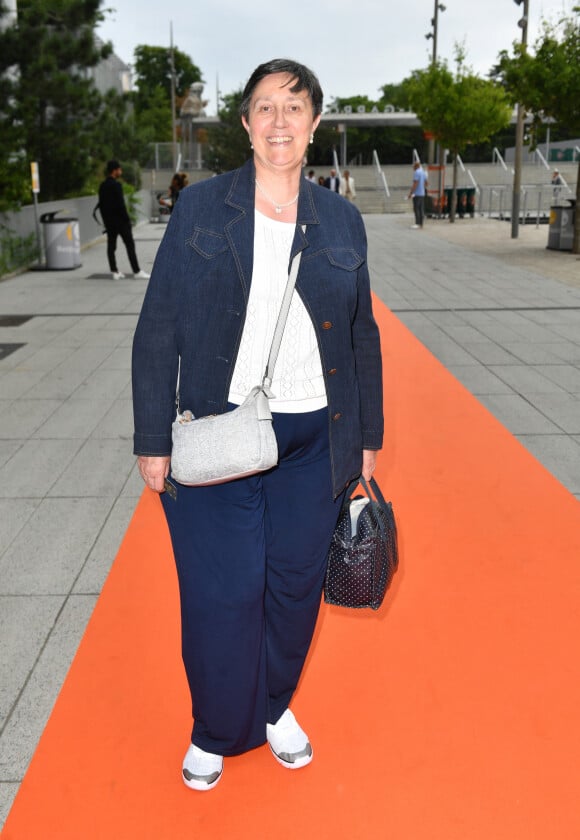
column 431, row 145
column 520, row 118
column 173, row 124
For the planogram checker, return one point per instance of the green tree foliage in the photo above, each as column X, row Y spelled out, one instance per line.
column 228, row 144
column 153, row 75
column 152, row 98
column 457, row 108
column 53, row 103
column 546, row 82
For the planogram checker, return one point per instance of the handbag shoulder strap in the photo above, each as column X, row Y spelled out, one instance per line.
column 281, row 322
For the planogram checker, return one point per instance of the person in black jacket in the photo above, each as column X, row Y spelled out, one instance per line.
column 117, row 221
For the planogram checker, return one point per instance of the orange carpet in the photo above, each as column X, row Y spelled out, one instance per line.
column 452, row 714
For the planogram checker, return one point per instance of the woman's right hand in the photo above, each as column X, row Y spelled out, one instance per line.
column 154, row 470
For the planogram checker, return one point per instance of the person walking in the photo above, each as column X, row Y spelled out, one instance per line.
column 117, row 222
column 417, row 193
column 251, row 553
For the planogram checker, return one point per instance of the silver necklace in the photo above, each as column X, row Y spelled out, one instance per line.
column 277, row 207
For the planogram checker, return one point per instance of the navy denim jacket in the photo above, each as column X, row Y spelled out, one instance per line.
column 195, row 306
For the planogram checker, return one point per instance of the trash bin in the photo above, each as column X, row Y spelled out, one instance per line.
column 561, row 229
column 447, row 201
column 62, row 241
column 470, row 201
column 461, row 206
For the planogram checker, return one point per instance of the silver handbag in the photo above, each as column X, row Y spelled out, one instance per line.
column 242, row 442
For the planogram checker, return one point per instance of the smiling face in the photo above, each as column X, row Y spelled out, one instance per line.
column 279, row 124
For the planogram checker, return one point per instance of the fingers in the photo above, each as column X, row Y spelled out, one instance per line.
column 154, row 471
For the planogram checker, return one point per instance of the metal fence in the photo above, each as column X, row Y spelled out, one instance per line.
column 535, row 202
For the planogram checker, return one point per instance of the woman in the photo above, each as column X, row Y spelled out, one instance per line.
column 251, row 553
column 346, row 187
column 178, row 182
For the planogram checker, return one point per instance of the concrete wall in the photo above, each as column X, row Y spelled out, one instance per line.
column 23, row 223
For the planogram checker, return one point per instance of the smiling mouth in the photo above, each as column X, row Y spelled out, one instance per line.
column 279, row 140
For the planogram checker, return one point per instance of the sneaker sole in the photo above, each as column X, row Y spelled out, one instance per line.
column 199, row 784
column 294, row 765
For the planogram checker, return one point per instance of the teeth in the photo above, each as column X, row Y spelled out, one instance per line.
column 279, row 139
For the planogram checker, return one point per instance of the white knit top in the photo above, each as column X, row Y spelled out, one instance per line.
column 298, row 382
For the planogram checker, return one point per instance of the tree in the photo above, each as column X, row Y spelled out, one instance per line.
column 53, row 103
column 546, row 82
column 152, row 99
column 153, row 74
column 13, row 180
column 458, row 109
column 228, row 144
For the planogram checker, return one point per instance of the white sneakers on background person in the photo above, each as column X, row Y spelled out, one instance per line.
column 140, row 275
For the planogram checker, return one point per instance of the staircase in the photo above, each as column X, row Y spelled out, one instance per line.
column 371, row 197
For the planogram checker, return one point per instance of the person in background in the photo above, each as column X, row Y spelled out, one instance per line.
column 556, row 184
column 178, row 182
column 117, row 222
column 311, row 176
column 346, row 187
column 417, row 193
column 321, row 181
column 251, row 554
column 333, row 181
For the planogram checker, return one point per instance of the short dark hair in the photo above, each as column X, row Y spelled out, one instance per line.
column 303, row 78
column 112, row 165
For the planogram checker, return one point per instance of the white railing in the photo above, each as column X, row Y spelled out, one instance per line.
column 467, row 172
column 542, row 159
column 335, row 162
column 380, row 174
column 497, row 158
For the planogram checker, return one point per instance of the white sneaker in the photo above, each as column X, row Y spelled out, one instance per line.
column 141, row 275
column 201, row 770
column 118, row 275
column 288, row 742
column 414, row 227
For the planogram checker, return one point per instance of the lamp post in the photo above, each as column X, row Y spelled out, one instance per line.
column 172, row 77
column 439, row 7
column 520, row 119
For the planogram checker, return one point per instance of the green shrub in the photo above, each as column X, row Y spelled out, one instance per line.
column 16, row 251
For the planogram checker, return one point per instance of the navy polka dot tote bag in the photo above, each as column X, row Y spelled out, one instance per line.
column 363, row 556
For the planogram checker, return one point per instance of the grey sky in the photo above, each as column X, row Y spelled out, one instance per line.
column 354, row 47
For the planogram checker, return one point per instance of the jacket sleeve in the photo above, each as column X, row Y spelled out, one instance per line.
column 368, row 360
column 155, row 358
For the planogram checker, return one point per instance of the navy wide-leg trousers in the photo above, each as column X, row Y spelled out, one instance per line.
column 251, row 558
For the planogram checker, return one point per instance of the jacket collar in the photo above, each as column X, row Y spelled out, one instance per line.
column 241, row 195
column 240, row 228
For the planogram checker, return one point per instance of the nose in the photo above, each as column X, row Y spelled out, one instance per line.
column 280, row 117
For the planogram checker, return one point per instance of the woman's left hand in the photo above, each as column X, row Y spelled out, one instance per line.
column 369, row 463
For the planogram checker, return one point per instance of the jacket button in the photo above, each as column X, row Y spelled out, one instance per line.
column 332, row 371
column 337, row 416
column 327, row 325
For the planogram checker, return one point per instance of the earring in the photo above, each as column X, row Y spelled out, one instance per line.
column 312, row 138
column 250, row 139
